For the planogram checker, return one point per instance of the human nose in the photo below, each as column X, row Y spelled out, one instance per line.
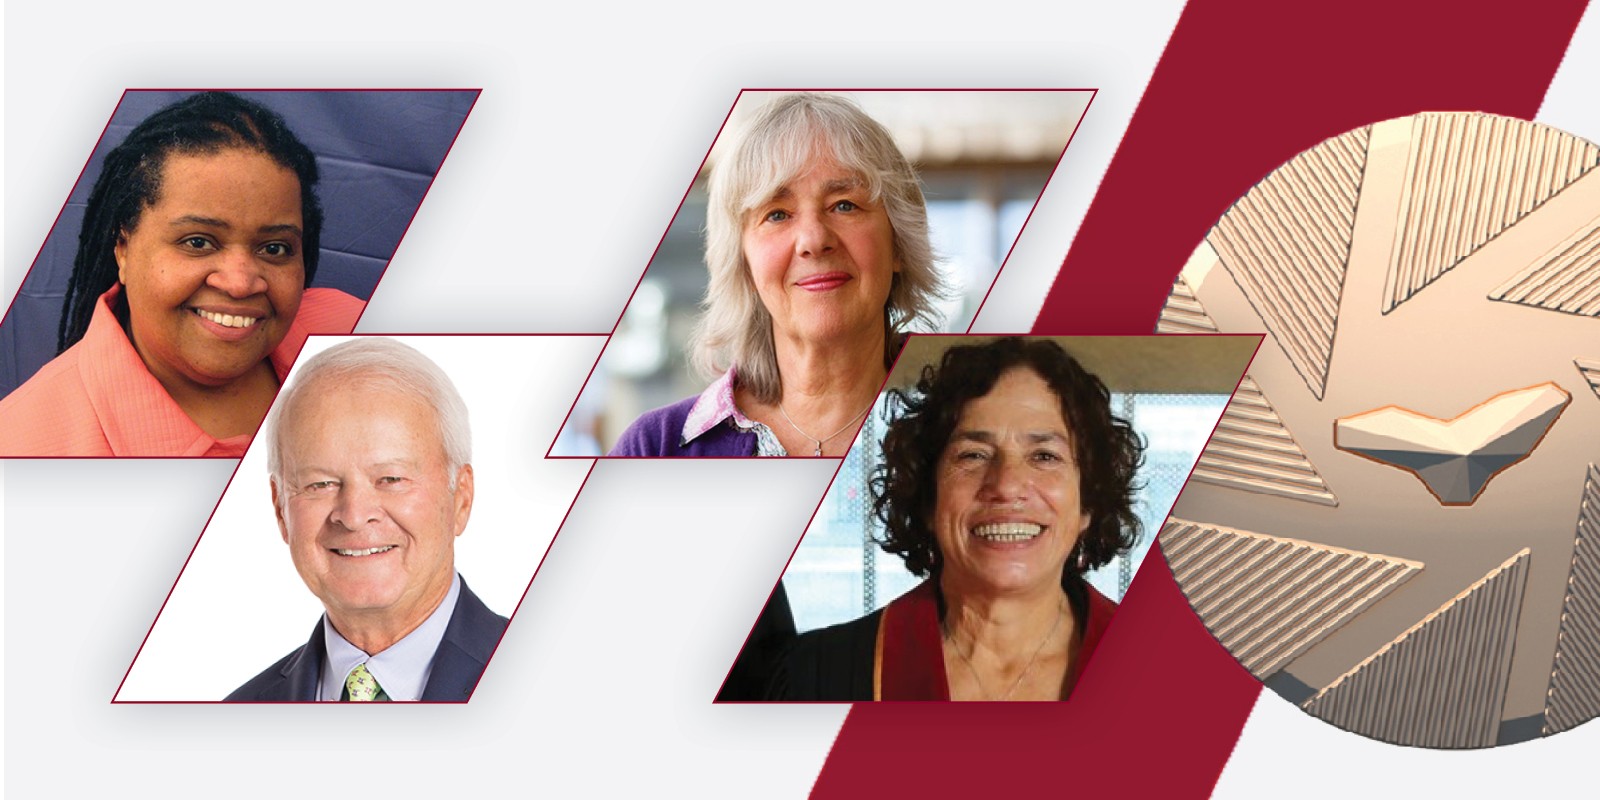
column 814, row 237
column 238, row 274
column 356, row 506
column 1005, row 481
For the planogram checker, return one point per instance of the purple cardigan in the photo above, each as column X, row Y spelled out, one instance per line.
column 659, row 434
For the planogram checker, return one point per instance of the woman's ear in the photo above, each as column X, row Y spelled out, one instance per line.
column 120, row 251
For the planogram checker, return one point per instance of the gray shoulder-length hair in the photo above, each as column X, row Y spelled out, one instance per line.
column 386, row 363
column 786, row 138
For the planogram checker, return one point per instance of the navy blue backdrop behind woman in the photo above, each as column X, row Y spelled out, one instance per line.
column 377, row 151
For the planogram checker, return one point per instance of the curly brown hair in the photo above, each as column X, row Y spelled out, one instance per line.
column 1107, row 450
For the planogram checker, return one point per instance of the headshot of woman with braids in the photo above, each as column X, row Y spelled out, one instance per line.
column 817, row 244
column 1005, row 477
column 188, row 300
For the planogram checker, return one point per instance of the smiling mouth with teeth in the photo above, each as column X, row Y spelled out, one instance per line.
column 226, row 320
column 1008, row 531
column 364, row 552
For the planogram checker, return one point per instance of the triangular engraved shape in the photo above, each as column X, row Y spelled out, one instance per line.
column 1268, row 599
column 1574, row 695
column 1286, row 243
column 1252, row 450
column 1443, row 682
column 1591, row 372
column 1565, row 279
column 1183, row 312
column 1468, row 178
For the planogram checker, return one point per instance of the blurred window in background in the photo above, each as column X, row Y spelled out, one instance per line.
column 983, row 158
column 839, row 573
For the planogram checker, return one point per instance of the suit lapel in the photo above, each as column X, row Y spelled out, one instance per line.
column 304, row 669
column 469, row 640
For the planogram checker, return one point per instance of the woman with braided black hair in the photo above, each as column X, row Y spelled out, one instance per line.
column 187, row 301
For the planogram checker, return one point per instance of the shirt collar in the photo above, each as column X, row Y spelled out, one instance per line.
column 715, row 405
column 403, row 669
column 136, row 413
column 712, row 407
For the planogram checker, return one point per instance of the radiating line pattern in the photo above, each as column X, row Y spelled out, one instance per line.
column 1252, row 450
column 1591, row 372
column 1269, row 599
column 1443, row 682
column 1574, row 696
column 1565, row 279
column 1468, row 178
column 1286, row 243
column 1183, row 312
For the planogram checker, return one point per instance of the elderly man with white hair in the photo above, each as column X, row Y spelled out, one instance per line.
column 369, row 456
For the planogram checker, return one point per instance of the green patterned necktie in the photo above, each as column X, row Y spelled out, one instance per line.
column 361, row 687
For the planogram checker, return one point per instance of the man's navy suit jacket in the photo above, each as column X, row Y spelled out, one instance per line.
column 470, row 638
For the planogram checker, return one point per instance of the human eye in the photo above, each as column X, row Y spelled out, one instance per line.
column 969, row 456
column 196, row 243
column 846, row 206
column 1048, row 457
column 277, row 250
column 392, row 482
column 320, row 487
column 775, row 215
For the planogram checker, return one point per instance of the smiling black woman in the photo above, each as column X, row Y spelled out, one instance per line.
column 188, row 298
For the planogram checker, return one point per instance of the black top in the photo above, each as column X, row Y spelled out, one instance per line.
column 829, row 664
column 835, row 664
column 772, row 635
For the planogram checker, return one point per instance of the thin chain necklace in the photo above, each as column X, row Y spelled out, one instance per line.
column 1061, row 611
column 815, row 440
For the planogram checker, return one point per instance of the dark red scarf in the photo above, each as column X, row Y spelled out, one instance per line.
column 909, row 662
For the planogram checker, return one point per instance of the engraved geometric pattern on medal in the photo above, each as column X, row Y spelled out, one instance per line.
column 1183, row 313
column 1565, row 279
column 1455, row 458
column 1441, row 683
column 1287, row 242
column 1575, row 681
column 1590, row 369
column 1471, row 176
column 1252, row 450
column 1444, row 266
column 1280, row 596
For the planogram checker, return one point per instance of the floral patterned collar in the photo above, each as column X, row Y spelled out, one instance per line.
column 715, row 406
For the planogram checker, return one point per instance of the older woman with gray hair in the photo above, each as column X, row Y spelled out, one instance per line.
column 817, row 244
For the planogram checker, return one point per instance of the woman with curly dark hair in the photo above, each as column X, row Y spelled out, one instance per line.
column 1005, row 478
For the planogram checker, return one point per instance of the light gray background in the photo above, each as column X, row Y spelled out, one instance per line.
column 589, row 130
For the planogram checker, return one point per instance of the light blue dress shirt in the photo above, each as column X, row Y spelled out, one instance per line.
column 403, row 669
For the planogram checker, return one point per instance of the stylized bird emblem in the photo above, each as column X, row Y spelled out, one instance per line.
column 1456, row 458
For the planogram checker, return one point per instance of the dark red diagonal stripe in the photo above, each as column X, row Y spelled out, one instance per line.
column 1241, row 88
